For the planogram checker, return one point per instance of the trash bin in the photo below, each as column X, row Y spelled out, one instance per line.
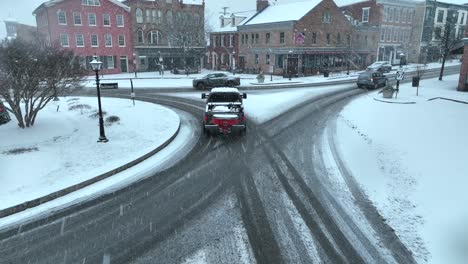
column 326, row 73
column 415, row 82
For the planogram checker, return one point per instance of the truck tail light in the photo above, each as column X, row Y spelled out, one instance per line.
column 206, row 118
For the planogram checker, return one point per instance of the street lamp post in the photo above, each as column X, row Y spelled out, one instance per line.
column 96, row 65
column 234, row 62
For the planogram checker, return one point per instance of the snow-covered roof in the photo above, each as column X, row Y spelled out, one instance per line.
column 51, row 3
column 193, row 2
column 228, row 27
column 283, row 12
column 224, row 90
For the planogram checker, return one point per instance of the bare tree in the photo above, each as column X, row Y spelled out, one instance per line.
column 33, row 74
column 449, row 40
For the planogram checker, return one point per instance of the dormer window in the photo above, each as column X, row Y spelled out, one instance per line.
column 233, row 21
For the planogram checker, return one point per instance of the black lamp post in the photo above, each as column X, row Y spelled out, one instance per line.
column 96, row 65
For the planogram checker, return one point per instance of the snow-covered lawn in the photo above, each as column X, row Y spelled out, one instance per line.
column 61, row 149
column 411, row 160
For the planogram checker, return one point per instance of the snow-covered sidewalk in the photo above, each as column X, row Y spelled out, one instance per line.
column 181, row 81
column 61, row 149
column 411, row 160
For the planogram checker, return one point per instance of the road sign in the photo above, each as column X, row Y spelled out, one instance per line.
column 132, row 95
column 400, row 75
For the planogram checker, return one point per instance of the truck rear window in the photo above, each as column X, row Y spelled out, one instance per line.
column 224, row 97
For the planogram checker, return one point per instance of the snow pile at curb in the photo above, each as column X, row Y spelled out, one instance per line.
column 411, row 161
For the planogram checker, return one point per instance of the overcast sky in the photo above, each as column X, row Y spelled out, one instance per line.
column 21, row 10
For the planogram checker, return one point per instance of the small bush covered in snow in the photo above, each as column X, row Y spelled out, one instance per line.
column 111, row 120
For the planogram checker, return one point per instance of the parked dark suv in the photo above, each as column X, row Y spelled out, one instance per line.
column 371, row 80
column 4, row 116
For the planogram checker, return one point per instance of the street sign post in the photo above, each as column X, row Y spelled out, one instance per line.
column 400, row 75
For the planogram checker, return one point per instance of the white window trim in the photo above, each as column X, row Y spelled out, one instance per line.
column 76, row 40
column 89, row 20
column 113, row 62
column 58, row 18
column 81, row 19
column 68, row 40
column 368, row 14
column 116, row 21
column 97, row 41
column 444, row 18
column 103, row 19
column 105, row 40
column 463, row 21
column 125, row 42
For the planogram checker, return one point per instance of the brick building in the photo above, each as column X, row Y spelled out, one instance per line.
column 399, row 30
column 303, row 38
column 439, row 16
column 223, row 50
column 89, row 27
column 463, row 79
column 168, row 32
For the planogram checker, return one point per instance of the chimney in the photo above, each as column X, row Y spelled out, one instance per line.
column 261, row 4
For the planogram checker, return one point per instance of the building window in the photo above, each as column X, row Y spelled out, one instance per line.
column 231, row 40
column 365, row 14
column 438, row 33
column 148, row 16
column 267, row 59
column 403, row 15
column 281, row 40
column 154, row 19
column 154, row 37
column 92, row 19
column 160, row 17
column 385, row 16
column 140, row 38
column 79, row 40
column 246, row 38
column 64, row 40
column 348, row 40
column 223, row 41
column 169, row 17
column 397, row 15
column 390, row 14
column 267, row 38
column 62, row 17
column 338, row 38
column 314, row 38
column 94, row 41
column 440, row 16
column 253, row 39
column 110, row 62
column 106, row 20
column 462, row 18
column 90, row 2
column 77, row 18
column 279, row 61
column 121, row 40
column 328, row 38
column 256, row 38
column 120, row 20
column 256, row 59
column 389, row 34
column 108, row 40
column 139, row 15
column 382, row 34
column 326, row 17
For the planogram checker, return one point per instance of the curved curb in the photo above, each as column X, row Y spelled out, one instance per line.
column 38, row 201
column 448, row 99
column 389, row 102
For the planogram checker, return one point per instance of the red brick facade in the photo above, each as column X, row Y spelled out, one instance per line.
column 463, row 80
column 316, row 42
column 75, row 26
column 223, row 50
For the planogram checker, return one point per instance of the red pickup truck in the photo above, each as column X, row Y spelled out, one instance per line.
column 224, row 112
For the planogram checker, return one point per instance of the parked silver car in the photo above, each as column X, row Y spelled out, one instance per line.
column 381, row 66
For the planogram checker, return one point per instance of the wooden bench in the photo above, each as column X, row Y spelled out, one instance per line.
column 109, row 85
